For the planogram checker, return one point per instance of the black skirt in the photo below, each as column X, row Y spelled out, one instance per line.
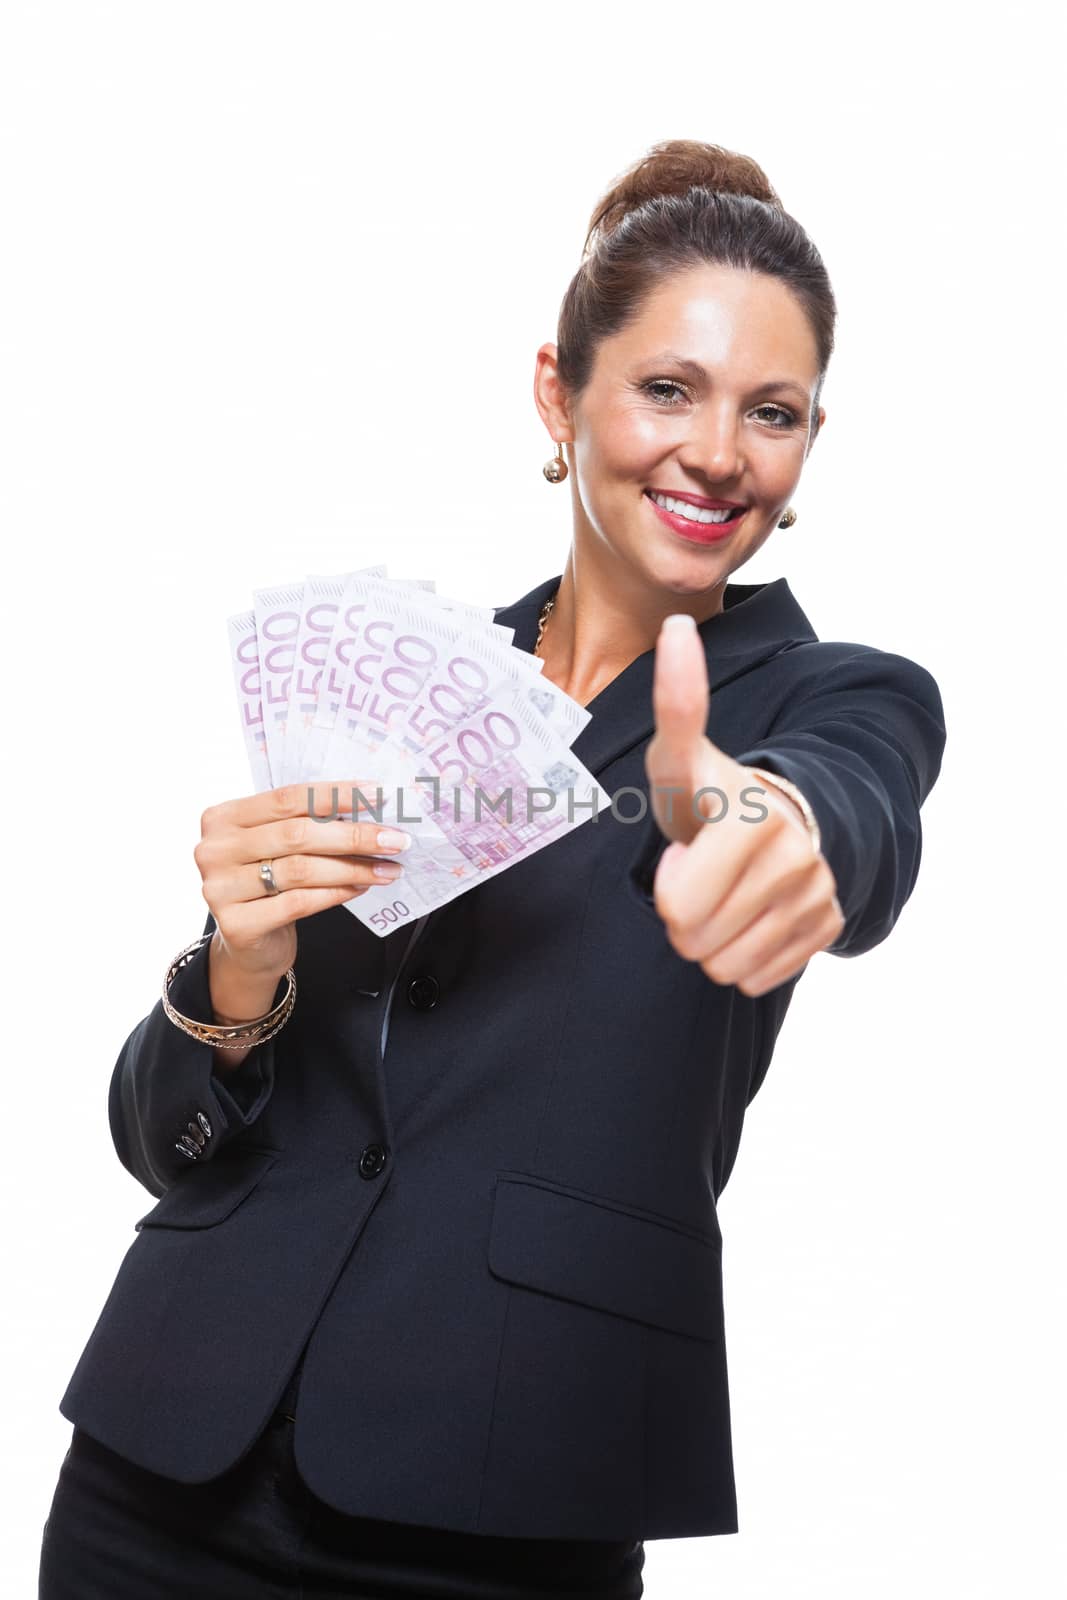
column 118, row 1532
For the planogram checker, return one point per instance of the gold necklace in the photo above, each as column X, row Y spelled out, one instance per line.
column 545, row 609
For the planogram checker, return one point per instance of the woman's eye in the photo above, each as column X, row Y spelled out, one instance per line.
column 664, row 383
column 782, row 417
column 787, row 417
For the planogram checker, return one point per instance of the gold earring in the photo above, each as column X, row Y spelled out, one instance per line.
column 789, row 518
column 555, row 470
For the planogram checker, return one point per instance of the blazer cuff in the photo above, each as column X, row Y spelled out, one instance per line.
column 164, row 1080
column 865, row 779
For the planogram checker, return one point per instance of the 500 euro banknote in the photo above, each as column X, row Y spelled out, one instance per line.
column 500, row 786
column 422, row 671
column 429, row 696
column 369, row 611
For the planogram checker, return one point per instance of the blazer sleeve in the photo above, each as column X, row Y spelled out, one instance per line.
column 863, row 741
column 164, row 1078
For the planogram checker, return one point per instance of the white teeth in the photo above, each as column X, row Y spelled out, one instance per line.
column 682, row 508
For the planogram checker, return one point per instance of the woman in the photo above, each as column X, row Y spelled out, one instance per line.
column 431, row 1300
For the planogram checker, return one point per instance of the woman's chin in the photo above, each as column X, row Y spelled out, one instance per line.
column 685, row 576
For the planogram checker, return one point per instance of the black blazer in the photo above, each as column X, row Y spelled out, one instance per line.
column 498, row 1241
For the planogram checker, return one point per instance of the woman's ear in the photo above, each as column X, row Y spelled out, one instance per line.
column 816, row 430
column 548, row 393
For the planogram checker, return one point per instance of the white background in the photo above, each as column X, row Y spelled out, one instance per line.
column 273, row 279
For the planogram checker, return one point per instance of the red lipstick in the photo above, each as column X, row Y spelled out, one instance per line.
column 698, row 532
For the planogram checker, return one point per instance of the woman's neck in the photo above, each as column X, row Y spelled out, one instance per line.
column 596, row 629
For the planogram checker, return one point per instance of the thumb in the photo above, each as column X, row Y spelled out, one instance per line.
column 680, row 694
column 677, row 752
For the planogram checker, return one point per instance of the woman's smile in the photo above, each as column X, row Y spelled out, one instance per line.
column 697, row 524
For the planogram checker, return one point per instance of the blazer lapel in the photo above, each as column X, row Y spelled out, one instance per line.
column 758, row 620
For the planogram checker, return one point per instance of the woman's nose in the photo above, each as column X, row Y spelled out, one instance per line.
column 714, row 452
column 714, row 445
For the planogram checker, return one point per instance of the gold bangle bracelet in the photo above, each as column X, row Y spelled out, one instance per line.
column 790, row 789
column 226, row 1037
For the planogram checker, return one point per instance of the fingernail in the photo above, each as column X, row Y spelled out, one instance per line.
column 388, row 869
column 394, row 839
column 679, row 620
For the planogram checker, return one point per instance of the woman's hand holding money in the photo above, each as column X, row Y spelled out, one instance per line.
column 316, row 863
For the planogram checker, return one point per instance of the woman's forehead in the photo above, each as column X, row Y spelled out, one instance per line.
column 717, row 318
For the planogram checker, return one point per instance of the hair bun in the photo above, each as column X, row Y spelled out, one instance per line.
column 672, row 168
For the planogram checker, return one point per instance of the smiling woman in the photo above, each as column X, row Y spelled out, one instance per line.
column 431, row 1302
column 686, row 378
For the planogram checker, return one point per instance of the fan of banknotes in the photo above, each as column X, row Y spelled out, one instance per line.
column 426, row 704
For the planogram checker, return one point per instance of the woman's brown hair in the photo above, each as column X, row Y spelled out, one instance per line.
column 685, row 204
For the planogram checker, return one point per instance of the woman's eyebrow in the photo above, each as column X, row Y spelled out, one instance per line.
column 699, row 374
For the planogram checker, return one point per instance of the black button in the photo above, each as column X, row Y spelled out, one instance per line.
column 372, row 1161
column 423, row 992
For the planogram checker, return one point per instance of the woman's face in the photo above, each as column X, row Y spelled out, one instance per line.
column 708, row 395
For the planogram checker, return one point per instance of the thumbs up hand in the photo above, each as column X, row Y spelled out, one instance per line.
column 743, row 895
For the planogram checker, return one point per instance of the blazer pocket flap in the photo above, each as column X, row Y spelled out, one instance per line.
column 208, row 1194
column 603, row 1254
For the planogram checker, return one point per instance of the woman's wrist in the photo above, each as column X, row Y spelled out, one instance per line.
column 236, row 995
column 799, row 805
column 248, row 1006
column 797, row 812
